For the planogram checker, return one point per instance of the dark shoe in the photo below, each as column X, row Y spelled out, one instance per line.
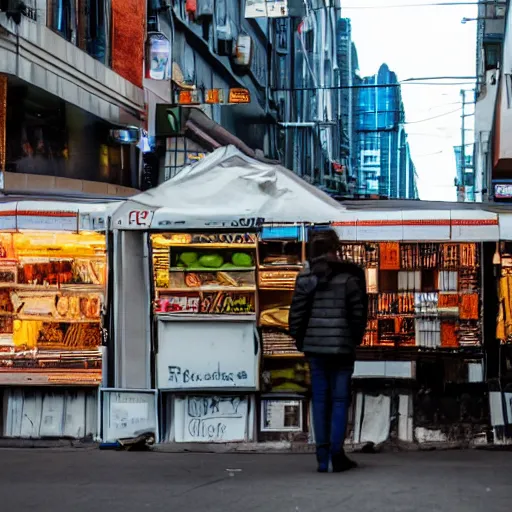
column 341, row 463
column 322, row 458
column 323, row 468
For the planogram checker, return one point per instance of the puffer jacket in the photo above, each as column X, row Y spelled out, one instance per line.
column 329, row 308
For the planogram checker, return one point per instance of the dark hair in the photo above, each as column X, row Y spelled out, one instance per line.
column 323, row 242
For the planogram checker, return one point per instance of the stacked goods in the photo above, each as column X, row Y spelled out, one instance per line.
column 161, row 263
column 277, row 279
column 277, row 342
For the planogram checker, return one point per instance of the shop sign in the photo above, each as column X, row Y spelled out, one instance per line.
column 47, row 220
column 503, row 190
column 136, row 219
column 203, row 354
column 127, row 413
column 212, row 419
column 158, row 53
column 243, row 51
column 281, row 416
column 239, row 95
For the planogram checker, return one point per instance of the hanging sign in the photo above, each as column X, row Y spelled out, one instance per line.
column 239, row 95
column 158, row 49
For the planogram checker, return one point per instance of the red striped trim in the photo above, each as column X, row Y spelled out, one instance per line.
column 433, row 222
column 29, row 213
column 7, row 213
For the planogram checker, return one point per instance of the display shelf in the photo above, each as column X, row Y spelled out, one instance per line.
column 192, row 289
column 235, row 269
column 193, row 317
column 53, row 287
column 206, row 246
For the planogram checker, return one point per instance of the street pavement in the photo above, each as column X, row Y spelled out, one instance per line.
column 87, row 480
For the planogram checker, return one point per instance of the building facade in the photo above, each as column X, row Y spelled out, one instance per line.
column 198, row 55
column 311, row 138
column 72, row 102
column 384, row 166
column 489, row 53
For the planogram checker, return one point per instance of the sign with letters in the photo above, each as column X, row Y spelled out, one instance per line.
column 207, row 355
column 211, row 419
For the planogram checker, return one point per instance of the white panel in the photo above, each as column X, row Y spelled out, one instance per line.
column 32, row 412
column 128, row 414
column 358, row 415
column 346, row 227
column 74, row 415
column 508, row 403
column 405, row 421
column 14, row 416
column 399, row 369
column 475, row 372
column 447, row 281
column 496, row 409
column 132, row 304
column 207, row 355
column 211, row 419
column 505, row 224
column 376, row 419
column 426, row 225
column 364, row 369
column 91, row 414
column 474, row 225
column 52, row 417
column 379, row 226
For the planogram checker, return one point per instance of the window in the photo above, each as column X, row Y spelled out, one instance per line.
column 492, row 54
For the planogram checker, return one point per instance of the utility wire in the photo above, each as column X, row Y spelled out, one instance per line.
column 434, row 117
column 363, row 86
column 427, row 4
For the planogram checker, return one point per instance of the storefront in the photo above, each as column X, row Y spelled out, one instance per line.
column 53, row 275
column 207, row 279
column 285, row 387
column 420, row 374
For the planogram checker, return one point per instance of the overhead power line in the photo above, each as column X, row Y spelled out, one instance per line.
column 426, row 4
column 434, row 117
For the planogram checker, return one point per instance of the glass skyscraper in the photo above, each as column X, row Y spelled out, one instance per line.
column 385, row 167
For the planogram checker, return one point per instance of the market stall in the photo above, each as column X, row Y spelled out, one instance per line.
column 425, row 273
column 285, row 385
column 202, row 231
column 53, row 274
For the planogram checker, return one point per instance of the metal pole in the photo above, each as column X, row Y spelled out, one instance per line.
column 463, row 144
column 3, row 127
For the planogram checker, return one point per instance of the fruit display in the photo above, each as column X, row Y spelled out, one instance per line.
column 207, row 261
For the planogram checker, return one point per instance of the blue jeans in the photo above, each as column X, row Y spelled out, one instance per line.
column 330, row 381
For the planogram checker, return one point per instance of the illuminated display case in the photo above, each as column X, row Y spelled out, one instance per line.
column 51, row 298
column 424, row 295
column 204, row 273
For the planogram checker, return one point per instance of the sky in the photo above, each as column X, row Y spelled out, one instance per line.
column 417, row 42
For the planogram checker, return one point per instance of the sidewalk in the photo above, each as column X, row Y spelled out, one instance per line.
column 92, row 480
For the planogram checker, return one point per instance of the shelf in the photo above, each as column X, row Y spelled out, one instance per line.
column 53, row 288
column 197, row 317
column 276, row 289
column 227, row 270
column 205, row 246
column 281, row 266
column 284, row 356
column 48, row 319
column 208, row 289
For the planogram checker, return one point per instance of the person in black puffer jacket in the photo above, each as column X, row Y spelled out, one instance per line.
column 328, row 316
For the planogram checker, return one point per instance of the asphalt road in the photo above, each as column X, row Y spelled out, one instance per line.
column 95, row 481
